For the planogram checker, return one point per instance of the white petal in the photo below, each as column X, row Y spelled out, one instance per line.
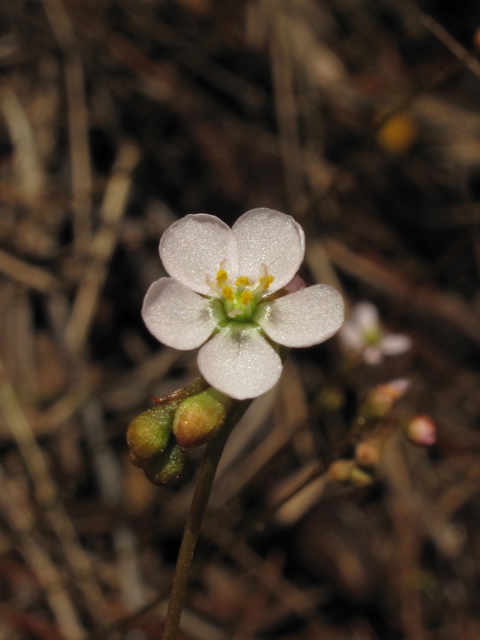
column 394, row 345
column 372, row 355
column 193, row 248
column 271, row 237
column 239, row 362
column 177, row 316
column 351, row 336
column 400, row 386
column 365, row 317
column 304, row 318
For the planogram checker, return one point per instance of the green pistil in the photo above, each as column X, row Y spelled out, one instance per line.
column 244, row 312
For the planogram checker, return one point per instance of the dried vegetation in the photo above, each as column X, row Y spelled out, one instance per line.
column 360, row 118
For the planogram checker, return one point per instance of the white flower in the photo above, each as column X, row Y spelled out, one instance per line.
column 220, row 291
column 363, row 334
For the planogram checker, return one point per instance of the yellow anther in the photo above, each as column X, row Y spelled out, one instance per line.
column 246, row 297
column 222, row 277
column 243, row 280
column 266, row 282
column 228, row 293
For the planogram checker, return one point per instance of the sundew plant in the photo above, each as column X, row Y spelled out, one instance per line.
column 235, row 294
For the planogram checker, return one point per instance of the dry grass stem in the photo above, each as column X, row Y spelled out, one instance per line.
column 46, row 494
column 77, row 122
column 103, row 244
column 22, row 523
column 360, row 119
column 27, row 274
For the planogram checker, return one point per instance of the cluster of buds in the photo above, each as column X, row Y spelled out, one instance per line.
column 349, row 472
column 159, row 439
column 374, row 428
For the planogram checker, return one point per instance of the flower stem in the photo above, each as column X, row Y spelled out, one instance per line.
column 205, row 478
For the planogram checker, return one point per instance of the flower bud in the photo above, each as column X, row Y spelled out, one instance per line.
column 349, row 471
column 398, row 133
column 340, row 470
column 200, row 417
column 296, row 284
column 360, row 478
column 148, row 433
column 329, row 400
column 421, row 430
column 368, row 452
column 476, row 39
column 380, row 399
column 167, row 467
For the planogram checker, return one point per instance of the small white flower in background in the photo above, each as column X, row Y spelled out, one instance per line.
column 363, row 334
column 220, row 294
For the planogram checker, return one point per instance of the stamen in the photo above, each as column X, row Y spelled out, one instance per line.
column 265, row 279
column 243, row 280
column 212, row 285
column 227, row 292
column 222, row 277
column 246, row 297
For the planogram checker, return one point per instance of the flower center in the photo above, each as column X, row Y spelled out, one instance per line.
column 372, row 336
column 240, row 299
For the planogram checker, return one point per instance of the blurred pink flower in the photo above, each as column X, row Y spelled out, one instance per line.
column 362, row 333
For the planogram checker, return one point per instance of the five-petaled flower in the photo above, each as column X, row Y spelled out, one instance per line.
column 219, row 295
column 362, row 333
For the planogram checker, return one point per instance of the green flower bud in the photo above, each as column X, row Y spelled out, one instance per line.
column 329, row 399
column 360, row 478
column 200, row 417
column 135, row 460
column 340, row 471
column 148, row 433
column 167, row 467
column 348, row 471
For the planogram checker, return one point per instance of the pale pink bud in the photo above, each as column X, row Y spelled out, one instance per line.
column 369, row 452
column 421, row 430
column 380, row 399
column 295, row 284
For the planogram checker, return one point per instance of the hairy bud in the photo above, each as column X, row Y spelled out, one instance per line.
column 167, row 467
column 199, row 418
column 148, row 433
